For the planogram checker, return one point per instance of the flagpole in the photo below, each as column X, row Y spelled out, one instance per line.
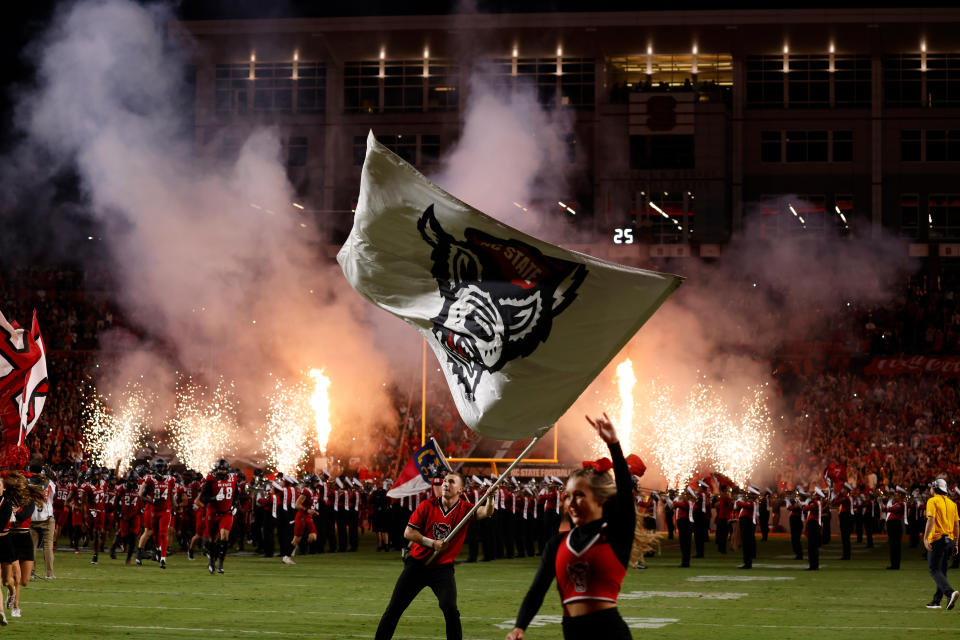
column 493, row 487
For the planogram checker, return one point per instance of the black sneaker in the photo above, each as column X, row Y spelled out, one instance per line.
column 934, row 605
column 94, row 561
column 211, row 568
column 139, row 562
column 163, row 563
column 953, row 600
column 189, row 554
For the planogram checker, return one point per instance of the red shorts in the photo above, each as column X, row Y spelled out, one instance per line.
column 96, row 518
column 201, row 523
column 303, row 522
column 217, row 522
column 62, row 514
column 76, row 517
column 108, row 521
column 159, row 523
column 130, row 525
column 147, row 514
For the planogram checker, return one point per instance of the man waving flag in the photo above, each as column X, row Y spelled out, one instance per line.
column 520, row 327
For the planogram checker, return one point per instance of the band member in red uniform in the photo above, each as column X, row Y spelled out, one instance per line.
column 61, row 499
column 589, row 561
column 94, row 492
column 683, row 508
column 724, row 514
column 701, row 518
column 220, row 496
column 128, row 516
column 814, row 515
column 795, row 507
column 896, row 509
column 746, row 509
column 158, row 490
column 845, row 503
column 303, row 520
column 428, row 530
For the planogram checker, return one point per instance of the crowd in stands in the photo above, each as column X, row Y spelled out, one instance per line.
column 886, row 430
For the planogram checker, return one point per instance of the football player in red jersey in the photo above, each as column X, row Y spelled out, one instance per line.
column 427, row 530
column 220, row 496
column 158, row 491
column 590, row 561
column 129, row 507
column 306, row 506
column 94, row 492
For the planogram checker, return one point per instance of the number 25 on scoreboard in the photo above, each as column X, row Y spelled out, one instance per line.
column 623, row 236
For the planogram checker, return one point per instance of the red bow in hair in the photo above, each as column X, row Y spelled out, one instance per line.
column 600, row 466
column 636, row 466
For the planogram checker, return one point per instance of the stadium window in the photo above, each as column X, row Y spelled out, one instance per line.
column 311, row 85
column 943, row 80
column 944, row 215
column 273, row 87
column 662, row 152
column 910, row 215
column 573, row 87
column 429, row 149
column 771, row 146
column 807, row 146
column 902, row 81
column 910, row 145
column 361, row 87
column 443, row 87
column 842, row 146
column 231, row 88
column 852, row 81
column 296, row 151
column 808, row 82
column 941, row 146
column 765, row 82
column 403, row 86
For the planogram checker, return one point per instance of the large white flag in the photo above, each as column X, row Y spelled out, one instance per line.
column 520, row 327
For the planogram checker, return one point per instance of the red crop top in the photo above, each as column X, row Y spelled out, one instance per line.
column 593, row 574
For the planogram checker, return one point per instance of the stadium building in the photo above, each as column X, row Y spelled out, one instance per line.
column 688, row 124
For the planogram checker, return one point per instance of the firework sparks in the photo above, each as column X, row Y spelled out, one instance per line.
column 288, row 423
column 111, row 437
column 204, row 427
column 626, row 380
column 694, row 431
column 320, row 402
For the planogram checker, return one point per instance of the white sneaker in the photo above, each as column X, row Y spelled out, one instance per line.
column 953, row 600
column 287, row 560
column 15, row 613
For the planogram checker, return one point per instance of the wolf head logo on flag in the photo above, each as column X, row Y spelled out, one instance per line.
column 520, row 327
column 500, row 296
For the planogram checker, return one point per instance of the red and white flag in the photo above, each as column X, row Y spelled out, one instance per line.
column 23, row 379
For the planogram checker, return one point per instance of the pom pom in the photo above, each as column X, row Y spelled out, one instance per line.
column 14, row 457
column 636, row 465
column 600, row 466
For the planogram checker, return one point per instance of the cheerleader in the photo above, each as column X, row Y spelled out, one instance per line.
column 21, row 540
column 589, row 561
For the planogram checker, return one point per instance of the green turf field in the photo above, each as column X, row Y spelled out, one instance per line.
column 343, row 595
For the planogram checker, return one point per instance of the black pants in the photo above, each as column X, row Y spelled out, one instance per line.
column 813, row 543
column 858, row 526
column 869, row 526
column 519, row 534
column 342, row 517
column 796, row 532
column 414, row 577
column 748, row 537
column 256, row 531
column 846, row 530
column 606, row 624
column 353, row 524
column 507, row 535
column 668, row 516
column 683, row 532
column 895, row 539
column 285, row 531
column 700, row 535
column 723, row 532
column 269, row 524
column 764, row 524
column 327, row 532
column 551, row 523
column 825, row 530
column 937, row 560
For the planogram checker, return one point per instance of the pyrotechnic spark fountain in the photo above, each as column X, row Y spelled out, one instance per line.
column 626, row 380
column 696, row 431
column 204, row 427
column 321, row 408
column 112, row 438
column 288, row 424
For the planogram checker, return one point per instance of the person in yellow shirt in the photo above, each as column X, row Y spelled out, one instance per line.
column 941, row 538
